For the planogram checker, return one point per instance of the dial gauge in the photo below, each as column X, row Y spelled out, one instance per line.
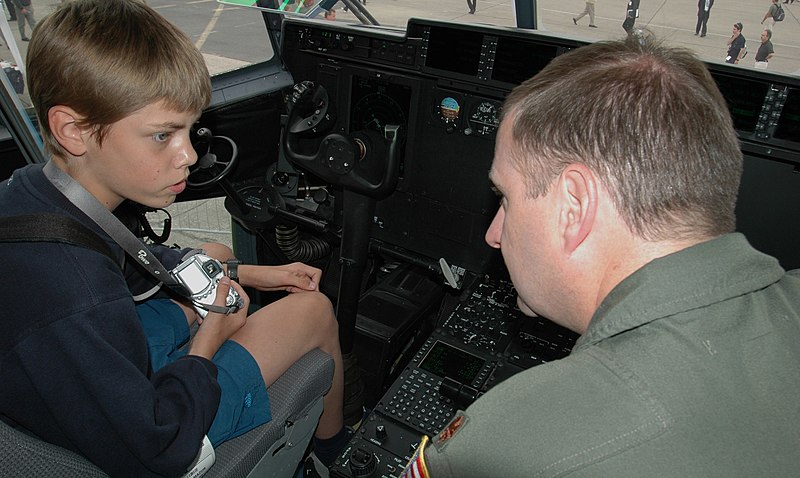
column 484, row 118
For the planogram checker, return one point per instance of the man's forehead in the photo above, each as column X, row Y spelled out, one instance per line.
column 502, row 150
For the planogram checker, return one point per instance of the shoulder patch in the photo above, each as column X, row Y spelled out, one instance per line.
column 450, row 430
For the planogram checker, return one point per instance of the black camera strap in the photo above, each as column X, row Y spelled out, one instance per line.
column 133, row 246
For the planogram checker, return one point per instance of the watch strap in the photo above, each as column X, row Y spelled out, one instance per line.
column 233, row 268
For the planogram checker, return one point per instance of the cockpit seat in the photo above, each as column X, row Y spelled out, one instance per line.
column 274, row 449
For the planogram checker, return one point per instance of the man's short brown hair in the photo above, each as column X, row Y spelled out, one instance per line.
column 648, row 120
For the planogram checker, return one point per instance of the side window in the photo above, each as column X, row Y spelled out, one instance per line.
column 230, row 37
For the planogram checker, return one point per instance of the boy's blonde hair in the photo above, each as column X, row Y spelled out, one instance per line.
column 106, row 59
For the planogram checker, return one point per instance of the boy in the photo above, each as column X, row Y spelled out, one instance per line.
column 83, row 365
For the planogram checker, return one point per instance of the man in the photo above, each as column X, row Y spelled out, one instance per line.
column 619, row 227
column 86, row 361
column 11, row 10
column 703, row 13
column 765, row 51
column 737, row 45
column 588, row 10
column 24, row 14
column 769, row 17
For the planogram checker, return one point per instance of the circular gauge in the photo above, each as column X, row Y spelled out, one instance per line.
column 374, row 111
column 484, row 118
column 448, row 109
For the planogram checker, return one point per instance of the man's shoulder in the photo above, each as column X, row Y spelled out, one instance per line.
column 533, row 411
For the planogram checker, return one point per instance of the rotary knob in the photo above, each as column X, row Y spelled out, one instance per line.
column 362, row 463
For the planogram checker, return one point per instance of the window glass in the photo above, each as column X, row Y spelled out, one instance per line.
column 675, row 21
column 229, row 36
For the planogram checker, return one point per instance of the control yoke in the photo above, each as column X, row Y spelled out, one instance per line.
column 209, row 168
column 364, row 162
column 364, row 165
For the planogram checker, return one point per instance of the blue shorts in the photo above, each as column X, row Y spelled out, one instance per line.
column 244, row 403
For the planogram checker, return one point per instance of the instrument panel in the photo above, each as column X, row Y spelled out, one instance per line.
column 491, row 60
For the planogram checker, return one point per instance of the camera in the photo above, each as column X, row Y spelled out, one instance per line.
column 200, row 274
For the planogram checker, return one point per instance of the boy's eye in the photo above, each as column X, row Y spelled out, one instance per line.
column 161, row 137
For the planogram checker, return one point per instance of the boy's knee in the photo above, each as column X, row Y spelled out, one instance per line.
column 218, row 251
column 322, row 307
column 322, row 303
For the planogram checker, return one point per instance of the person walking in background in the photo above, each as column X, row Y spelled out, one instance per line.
column 736, row 45
column 703, row 12
column 772, row 12
column 24, row 13
column 765, row 51
column 12, row 11
column 589, row 10
column 472, row 5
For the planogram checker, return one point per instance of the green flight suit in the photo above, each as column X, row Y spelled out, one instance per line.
column 689, row 368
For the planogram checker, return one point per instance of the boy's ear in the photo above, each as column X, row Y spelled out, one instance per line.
column 63, row 122
column 578, row 204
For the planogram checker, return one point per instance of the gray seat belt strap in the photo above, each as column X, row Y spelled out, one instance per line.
column 132, row 245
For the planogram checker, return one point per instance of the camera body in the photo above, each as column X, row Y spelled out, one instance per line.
column 200, row 275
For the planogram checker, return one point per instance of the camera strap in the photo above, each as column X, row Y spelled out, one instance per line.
column 133, row 246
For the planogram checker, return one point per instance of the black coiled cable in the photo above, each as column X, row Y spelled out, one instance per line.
column 297, row 249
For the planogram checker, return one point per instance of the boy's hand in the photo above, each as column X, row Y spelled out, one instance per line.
column 295, row 277
column 216, row 328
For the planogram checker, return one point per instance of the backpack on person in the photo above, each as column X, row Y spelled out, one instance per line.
column 779, row 14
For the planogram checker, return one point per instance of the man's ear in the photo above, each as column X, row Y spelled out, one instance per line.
column 63, row 122
column 578, row 205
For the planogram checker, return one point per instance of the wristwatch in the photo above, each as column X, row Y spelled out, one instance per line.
column 233, row 268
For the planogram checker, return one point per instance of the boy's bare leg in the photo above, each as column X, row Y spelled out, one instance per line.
column 278, row 334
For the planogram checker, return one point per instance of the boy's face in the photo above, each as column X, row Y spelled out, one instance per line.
column 144, row 157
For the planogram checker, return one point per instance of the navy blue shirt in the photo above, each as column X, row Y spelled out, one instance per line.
column 73, row 357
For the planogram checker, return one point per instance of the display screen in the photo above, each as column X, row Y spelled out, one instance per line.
column 193, row 276
column 447, row 361
column 789, row 122
column 745, row 98
column 517, row 59
column 458, row 51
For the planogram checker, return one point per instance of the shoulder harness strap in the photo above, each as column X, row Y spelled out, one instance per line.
column 49, row 227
